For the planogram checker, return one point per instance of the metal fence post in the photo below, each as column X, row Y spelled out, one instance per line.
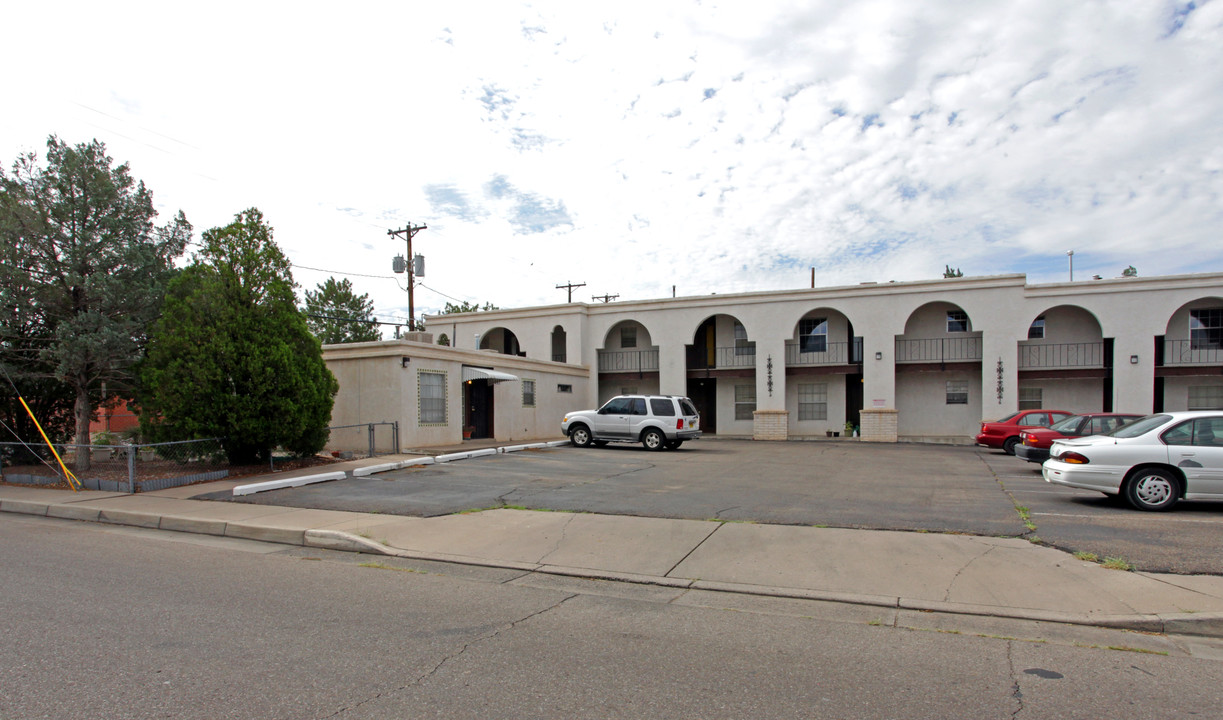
column 371, row 440
column 131, row 469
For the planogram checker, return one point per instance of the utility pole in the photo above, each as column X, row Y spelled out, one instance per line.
column 408, row 233
column 570, row 286
column 1070, row 254
column 605, row 298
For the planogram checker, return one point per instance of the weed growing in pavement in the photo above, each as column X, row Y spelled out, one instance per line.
column 384, row 566
column 1116, row 563
column 1087, row 556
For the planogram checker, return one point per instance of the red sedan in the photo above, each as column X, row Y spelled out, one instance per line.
column 1004, row 433
column 1035, row 442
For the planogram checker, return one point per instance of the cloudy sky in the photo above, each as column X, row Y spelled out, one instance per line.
column 635, row 146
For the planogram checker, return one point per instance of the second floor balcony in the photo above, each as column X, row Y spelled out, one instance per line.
column 1058, row 356
column 820, row 352
column 938, row 350
column 719, row 358
column 1188, row 352
column 638, row 361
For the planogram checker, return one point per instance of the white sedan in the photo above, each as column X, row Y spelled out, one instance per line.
column 1152, row 462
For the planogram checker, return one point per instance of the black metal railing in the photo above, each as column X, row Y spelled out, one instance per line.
column 743, row 356
column 938, row 350
column 628, row 360
column 1034, row 356
column 1186, row 352
column 827, row 353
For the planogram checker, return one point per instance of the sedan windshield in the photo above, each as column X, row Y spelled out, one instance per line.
column 1140, row 427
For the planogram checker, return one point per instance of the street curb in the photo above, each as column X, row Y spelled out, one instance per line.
column 253, row 488
column 1204, row 624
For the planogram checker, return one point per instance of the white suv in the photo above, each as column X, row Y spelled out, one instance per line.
column 656, row 421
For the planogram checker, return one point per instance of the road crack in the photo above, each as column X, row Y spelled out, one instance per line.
column 431, row 672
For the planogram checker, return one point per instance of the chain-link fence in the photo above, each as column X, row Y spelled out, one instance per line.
column 157, row 466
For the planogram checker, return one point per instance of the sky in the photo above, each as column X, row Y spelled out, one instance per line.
column 654, row 148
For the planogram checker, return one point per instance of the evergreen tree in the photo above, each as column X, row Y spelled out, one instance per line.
column 336, row 314
column 232, row 356
column 82, row 274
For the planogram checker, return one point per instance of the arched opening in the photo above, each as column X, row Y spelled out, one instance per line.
column 1189, row 358
column 721, row 369
column 823, row 373
column 1065, row 362
column 501, row 340
column 938, row 373
column 628, row 361
column 559, row 352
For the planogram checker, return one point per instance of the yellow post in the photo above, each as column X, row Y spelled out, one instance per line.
column 72, row 481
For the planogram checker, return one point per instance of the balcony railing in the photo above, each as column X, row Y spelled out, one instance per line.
column 1183, row 352
column 938, row 350
column 628, row 360
column 1033, row 356
column 723, row 357
column 834, row 353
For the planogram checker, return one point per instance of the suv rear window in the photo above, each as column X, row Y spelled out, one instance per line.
column 662, row 407
column 686, row 406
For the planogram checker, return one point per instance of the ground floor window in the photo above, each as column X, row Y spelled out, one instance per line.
column 813, row 401
column 431, row 389
column 1206, row 397
column 528, row 393
column 1031, row 398
column 745, row 402
column 564, row 388
column 957, row 392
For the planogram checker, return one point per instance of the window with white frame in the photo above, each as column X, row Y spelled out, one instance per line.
column 813, row 401
column 745, row 401
column 528, row 393
column 957, row 321
column 1037, row 330
column 1031, row 398
column 431, row 390
column 628, row 336
column 1206, row 329
column 1206, row 397
column 742, row 346
column 957, row 392
column 813, row 335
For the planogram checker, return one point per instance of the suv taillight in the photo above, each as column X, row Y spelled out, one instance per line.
column 679, row 424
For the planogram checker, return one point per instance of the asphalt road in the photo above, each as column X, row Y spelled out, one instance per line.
column 107, row 621
column 927, row 488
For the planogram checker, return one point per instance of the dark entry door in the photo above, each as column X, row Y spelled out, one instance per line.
column 479, row 408
column 853, row 398
column 704, row 395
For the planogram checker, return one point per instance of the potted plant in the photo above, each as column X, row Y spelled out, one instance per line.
column 467, row 431
column 850, row 429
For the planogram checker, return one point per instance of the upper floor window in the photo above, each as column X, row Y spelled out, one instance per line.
column 813, row 335
column 628, row 336
column 1206, row 329
column 1037, row 330
column 957, row 321
column 742, row 346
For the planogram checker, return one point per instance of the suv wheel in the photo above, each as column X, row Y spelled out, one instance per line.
column 653, row 439
column 579, row 435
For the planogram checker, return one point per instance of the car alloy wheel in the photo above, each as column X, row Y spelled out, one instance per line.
column 653, row 440
column 580, row 436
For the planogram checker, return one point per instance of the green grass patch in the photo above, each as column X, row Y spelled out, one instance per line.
column 1116, row 563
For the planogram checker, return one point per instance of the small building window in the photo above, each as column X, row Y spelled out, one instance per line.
column 528, row 393
column 742, row 346
column 813, row 335
column 957, row 392
column 957, row 321
column 813, row 401
column 1206, row 329
column 1031, row 398
column 1037, row 330
column 745, row 402
column 564, row 388
column 1206, row 397
column 628, row 336
column 431, row 390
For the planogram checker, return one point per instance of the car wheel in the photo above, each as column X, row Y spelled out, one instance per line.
column 1009, row 446
column 579, row 435
column 674, row 444
column 652, row 439
column 1152, row 489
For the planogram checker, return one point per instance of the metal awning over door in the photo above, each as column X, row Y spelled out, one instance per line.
column 476, row 373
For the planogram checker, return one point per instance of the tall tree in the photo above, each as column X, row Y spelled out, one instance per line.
column 336, row 314
column 467, row 306
column 80, row 243
column 231, row 355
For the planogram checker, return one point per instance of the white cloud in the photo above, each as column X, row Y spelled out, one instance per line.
column 718, row 147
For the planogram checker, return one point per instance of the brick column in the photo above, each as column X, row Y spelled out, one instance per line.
column 773, row 425
column 878, row 425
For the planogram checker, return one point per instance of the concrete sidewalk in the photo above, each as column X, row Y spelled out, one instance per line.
column 968, row 575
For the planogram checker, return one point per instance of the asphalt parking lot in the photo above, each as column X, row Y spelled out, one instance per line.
column 924, row 488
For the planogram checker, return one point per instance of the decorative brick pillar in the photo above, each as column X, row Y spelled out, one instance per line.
column 770, row 424
column 878, row 425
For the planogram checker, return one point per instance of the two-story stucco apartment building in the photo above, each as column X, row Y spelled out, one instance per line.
column 906, row 360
